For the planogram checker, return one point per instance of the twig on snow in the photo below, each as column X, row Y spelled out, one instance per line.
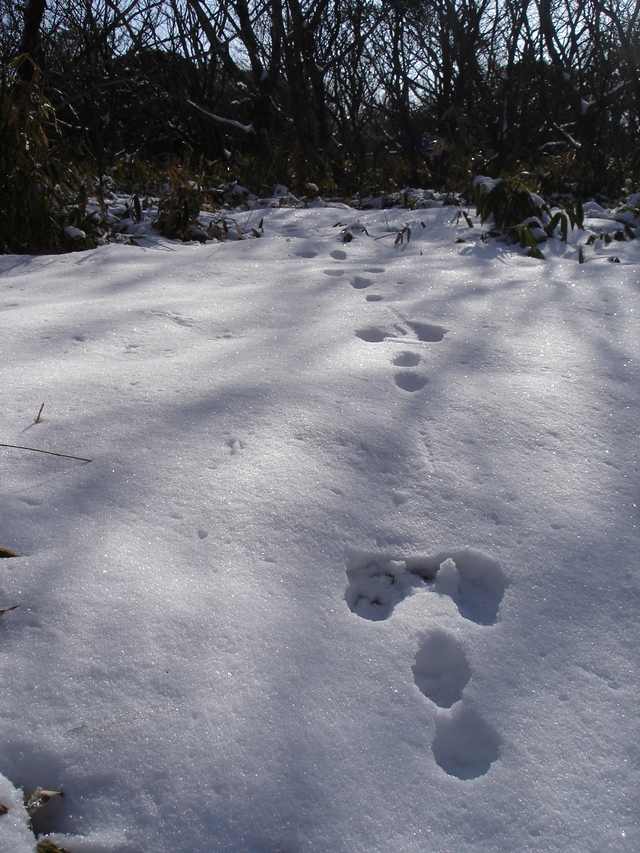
column 49, row 452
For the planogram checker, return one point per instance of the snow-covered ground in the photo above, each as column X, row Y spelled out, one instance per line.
column 354, row 566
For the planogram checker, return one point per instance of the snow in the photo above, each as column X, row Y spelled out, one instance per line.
column 14, row 821
column 354, row 566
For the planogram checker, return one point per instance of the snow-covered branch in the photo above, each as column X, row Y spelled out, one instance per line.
column 245, row 128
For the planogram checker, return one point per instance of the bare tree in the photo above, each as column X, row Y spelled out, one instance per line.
column 30, row 44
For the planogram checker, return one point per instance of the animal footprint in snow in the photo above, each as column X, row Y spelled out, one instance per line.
column 409, row 380
column 377, row 334
column 427, row 332
column 372, row 334
column 378, row 582
column 360, row 282
column 406, row 358
column 441, row 670
column 424, row 332
column 377, row 585
column 475, row 583
column 464, row 744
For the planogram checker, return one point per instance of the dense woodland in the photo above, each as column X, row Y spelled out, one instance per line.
column 354, row 96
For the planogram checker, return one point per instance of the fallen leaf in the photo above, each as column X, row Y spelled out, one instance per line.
column 5, row 552
column 49, row 847
column 39, row 798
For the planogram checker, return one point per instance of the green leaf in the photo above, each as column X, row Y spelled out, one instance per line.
column 74, row 145
column 576, row 213
column 564, row 227
column 507, row 203
column 553, row 223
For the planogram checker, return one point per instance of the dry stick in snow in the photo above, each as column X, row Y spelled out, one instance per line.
column 49, row 452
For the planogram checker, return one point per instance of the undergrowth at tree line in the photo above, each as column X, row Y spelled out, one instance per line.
column 56, row 178
column 46, row 182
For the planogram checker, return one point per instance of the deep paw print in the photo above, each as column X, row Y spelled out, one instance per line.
column 441, row 670
column 377, row 585
column 474, row 581
column 406, row 358
column 361, row 282
column 427, row 332
column 424, row 332
column 373, row 334
column 408, row 380
column 464, row 745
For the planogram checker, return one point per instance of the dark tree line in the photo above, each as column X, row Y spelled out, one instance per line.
column 350, row 94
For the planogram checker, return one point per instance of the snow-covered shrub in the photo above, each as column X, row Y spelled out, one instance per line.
column 506, row 202
column 521, row 216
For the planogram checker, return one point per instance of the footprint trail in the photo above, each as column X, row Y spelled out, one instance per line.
column 406, row 380
column 464, row 744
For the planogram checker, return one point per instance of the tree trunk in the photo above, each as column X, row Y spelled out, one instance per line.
column 30, row 46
